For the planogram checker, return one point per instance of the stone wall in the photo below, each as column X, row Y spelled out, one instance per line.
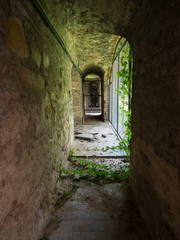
column 36, row 112
column 35, row 120
column 77, row 97
column 155, row 145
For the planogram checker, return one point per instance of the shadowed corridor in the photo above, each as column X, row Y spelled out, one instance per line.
column 54, row 55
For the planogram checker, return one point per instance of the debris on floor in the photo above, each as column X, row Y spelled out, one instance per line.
column 103, row 135
column 76, row 132
column 88, row 137
column 101, row 143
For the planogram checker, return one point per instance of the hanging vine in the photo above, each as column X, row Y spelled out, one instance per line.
column 125, row 93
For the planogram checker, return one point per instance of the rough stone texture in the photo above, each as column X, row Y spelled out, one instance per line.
column 36, row 105
column 155, row 145
column 35, row 120
column 100, row 16
column 16, row 40
column 77, row 97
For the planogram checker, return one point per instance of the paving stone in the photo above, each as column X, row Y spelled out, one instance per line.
column 74, row 212
column 98, row 236
column 62, row 236
column 76, row 205
column 96, row 214
column 89, row 236
column 113, row 226
column 89, row 225
column 66, row 226
column 88, row 219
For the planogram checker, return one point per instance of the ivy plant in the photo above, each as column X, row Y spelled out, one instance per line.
column 125, row 93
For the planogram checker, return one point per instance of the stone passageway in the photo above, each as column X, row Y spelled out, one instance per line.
column 97, row 210
column 47, row 49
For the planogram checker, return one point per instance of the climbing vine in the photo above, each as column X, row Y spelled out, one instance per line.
column 125, row 93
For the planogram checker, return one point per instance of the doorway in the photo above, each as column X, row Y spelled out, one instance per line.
column 92, row 97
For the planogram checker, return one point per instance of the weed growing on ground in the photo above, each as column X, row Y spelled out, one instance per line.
column 60, row 201
column 57, row 219
column 96, row 149
column 84, row 169
column 67, row 193
column 76, row 184
column 44, row 237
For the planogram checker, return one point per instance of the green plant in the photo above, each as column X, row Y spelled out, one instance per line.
column 64, row 171
column 60, row 180
column 90, row 170
column 60, row 201
column 71, row 153
column 44, row 237
column 57, row 219
column 67, row 193
column 113, row 147
column 85, row 169
column 125, row 93
column 76, row 184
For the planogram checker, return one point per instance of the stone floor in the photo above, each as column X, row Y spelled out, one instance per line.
column 103, row 137
column 98, row 211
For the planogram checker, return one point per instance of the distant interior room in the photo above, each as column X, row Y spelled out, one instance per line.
column 92, row 95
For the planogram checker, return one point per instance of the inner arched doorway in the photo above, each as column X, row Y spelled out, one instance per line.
column 93, row 93
column 92, row 98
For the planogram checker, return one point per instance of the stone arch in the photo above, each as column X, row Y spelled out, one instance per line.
column 99, row 71
column 93, row 69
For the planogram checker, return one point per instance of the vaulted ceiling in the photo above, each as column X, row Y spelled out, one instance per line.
column 94, row 25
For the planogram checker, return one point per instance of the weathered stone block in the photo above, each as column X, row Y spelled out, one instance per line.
column 16, row 39
column 46, row 61
column 36, row 56
column 30, row 81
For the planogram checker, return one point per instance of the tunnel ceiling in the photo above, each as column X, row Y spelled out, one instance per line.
column 94, row 49
column 94, row 25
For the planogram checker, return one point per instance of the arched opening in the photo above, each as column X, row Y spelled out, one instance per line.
column 92, row 95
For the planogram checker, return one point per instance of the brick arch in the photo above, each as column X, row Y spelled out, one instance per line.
column 93, row 69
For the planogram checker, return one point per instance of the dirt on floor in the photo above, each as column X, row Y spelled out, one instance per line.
column 102, row 139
